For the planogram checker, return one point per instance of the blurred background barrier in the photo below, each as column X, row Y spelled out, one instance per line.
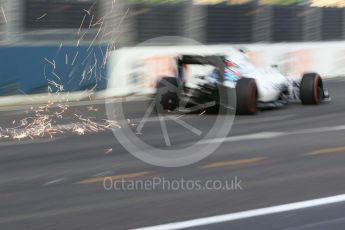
column 51, row 46
column 76, row 37
column 48, row 68
column 137, row 20
column 130, row 22
column 130, row 69
column 252, row 21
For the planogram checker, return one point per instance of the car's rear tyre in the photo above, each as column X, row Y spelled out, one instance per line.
column 247, row 96
column 311, row 92
column 167, row 96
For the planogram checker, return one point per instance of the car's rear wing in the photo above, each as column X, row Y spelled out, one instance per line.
column 214, row 60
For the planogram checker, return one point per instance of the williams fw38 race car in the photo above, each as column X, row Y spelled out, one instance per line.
column 234, row 76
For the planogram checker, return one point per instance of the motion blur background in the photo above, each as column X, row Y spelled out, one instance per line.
column 56, row 152
column 74, row 34
column 208, row 21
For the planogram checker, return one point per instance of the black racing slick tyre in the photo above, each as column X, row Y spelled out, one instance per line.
column 311, row 92
column 247, row 96
column 167, row 96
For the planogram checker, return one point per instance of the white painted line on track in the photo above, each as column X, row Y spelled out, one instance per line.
column 248, row 214
column 319, row 130
column 53, row 181
column 254, row 136
column 103, row 173
column 271, row 135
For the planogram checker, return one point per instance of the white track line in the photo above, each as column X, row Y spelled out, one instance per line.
column 248, row 214
column 254, row 136
column 54, row 181
column 104, row 173
column 271, row 135
column 320, row 130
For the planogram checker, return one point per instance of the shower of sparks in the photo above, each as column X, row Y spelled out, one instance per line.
column 108, row 151
column 45, row 120
column 91, row 108
column 81, row 24
column 75, row 57
column 87, row 125
column 98, row 32
column 90, row 24
column 57, row 76
column 58, row 51
column 58, row 86
column 4, row 15
column 42, row 124
column 88, row 12
column 80, row 39
column 50, row 62
column 87, row 57
column 40, row 17
column 99, row 22
column 112, row 4
column 202, row 113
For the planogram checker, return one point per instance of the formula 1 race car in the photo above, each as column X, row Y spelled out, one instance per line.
column 234, row 74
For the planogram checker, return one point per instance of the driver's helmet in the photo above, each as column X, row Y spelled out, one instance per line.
column 236, row 60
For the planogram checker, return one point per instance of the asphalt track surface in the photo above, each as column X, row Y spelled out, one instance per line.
column 280, row 156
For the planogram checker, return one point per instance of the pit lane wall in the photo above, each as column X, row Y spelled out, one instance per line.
column 135, row 70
